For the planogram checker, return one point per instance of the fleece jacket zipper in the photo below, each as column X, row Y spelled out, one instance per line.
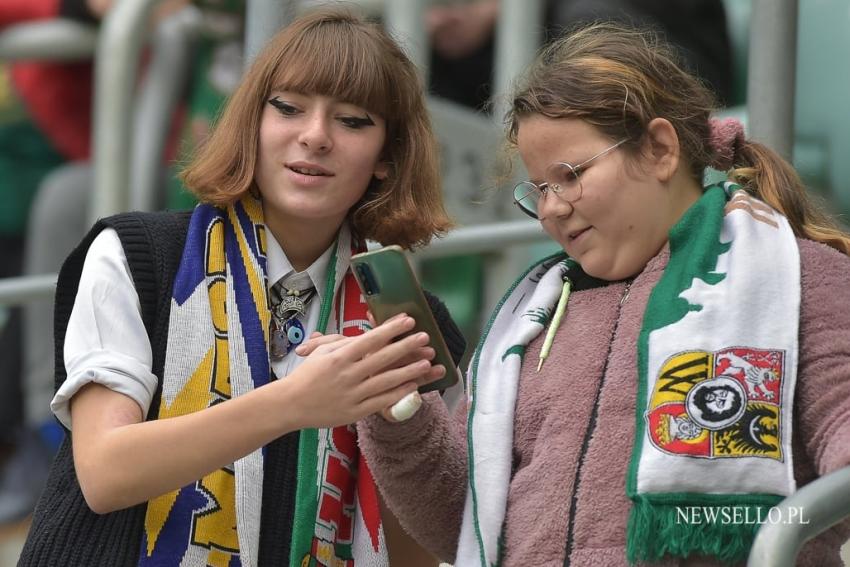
column 591, row 426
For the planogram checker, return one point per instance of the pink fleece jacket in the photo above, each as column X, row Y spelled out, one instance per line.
column 574, row 429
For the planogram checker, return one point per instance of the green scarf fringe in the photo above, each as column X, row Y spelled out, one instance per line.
column 659, row 526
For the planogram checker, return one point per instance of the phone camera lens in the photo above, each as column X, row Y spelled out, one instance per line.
column 367, row 279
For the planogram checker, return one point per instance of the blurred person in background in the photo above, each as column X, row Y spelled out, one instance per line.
column 45, row 122
column 48, row 126
column 462, row 38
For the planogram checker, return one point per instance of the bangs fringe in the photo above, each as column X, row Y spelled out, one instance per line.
column 335, row 60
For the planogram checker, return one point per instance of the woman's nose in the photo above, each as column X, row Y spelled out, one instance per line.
column 316, row 135
column 552, row 206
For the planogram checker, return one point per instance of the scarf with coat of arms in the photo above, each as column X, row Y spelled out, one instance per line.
column 717, row 363
column 218, row 349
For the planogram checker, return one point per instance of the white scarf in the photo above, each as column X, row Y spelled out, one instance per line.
column 727, row 306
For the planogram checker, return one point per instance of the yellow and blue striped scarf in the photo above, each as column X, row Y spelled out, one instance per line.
column 218, row 349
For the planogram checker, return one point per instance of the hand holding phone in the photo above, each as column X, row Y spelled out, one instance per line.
column 390, row 287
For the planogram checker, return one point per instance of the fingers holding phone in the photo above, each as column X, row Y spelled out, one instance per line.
column 407, row 407
column 427, row 353
column 334, row 341
column 389, row 287
column 345, row 379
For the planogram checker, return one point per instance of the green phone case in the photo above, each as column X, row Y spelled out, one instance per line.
column 390, row 287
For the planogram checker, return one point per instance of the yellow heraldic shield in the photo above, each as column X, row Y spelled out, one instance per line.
column 720, row 404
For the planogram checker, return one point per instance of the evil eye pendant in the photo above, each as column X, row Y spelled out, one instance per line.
column 294, row 333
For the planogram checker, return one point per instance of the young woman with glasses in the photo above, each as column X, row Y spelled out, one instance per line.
column 687, row 351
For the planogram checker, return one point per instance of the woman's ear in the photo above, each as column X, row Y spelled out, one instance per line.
column 663, row 148
column 382, row 170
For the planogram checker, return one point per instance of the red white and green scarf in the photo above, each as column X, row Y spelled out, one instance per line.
column 717, row 364
column 218, row 349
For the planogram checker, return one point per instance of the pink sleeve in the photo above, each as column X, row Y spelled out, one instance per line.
column 420, row 468
column 823, row 381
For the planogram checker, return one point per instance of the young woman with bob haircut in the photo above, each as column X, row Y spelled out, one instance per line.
column 199, row 433
column 369, row 71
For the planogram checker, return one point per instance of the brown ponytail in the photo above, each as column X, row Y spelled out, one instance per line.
column 764, row 174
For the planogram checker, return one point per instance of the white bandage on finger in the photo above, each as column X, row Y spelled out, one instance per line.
column 404, row 409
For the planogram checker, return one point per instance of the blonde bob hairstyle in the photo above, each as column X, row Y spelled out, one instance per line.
column 332, row 52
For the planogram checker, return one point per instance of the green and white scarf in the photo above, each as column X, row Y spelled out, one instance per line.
column 218, row 349
column 717, row 363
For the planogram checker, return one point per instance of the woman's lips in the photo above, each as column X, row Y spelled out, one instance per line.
column 308, row 171
column 307, row 177
column 307, row 168
column 573, row 236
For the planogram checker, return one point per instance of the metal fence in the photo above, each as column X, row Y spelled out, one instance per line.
column 124, row 31
column 482, row 239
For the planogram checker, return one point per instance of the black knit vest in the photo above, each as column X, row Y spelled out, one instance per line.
column 64, row 531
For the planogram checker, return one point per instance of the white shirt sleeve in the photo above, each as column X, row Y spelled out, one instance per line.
column 106, row 341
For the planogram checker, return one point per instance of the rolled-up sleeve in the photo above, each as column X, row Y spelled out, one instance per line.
column 106, row 342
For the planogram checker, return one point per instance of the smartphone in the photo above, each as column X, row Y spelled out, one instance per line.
column 390, row 287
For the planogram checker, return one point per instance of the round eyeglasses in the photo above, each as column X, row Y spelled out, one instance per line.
column 563, row 179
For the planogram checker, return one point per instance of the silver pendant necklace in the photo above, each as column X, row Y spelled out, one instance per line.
column 294, row 303
column 287, row 331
